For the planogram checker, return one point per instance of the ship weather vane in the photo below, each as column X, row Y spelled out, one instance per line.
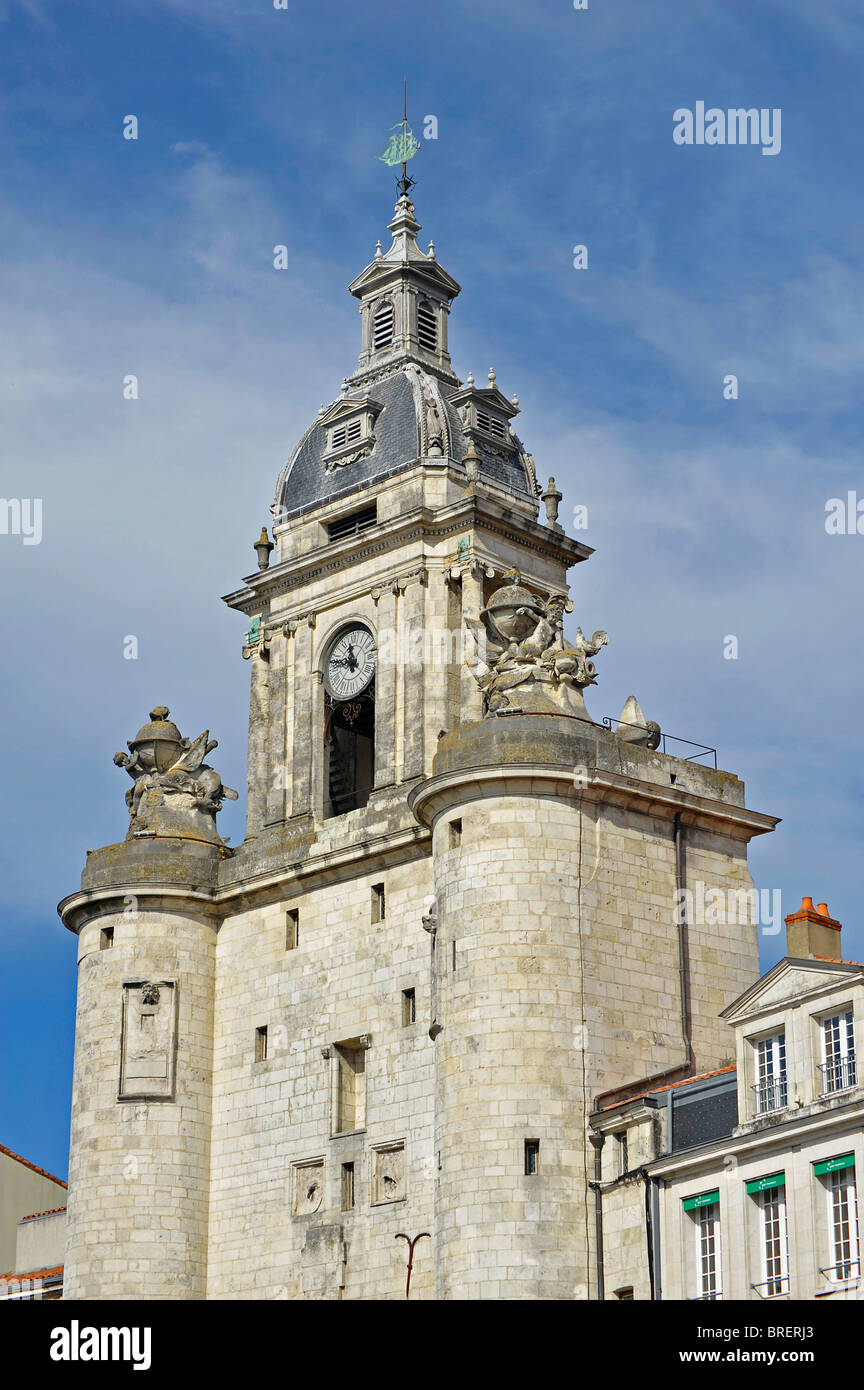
column 402, row 145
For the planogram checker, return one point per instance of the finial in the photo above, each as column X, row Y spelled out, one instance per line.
column 470, row 379
column 322, row 408
column 344, row 386
column 491, row 376
column 514, row 400
column 263, row 547
column 378, row 252
column 551, row 499
column 160, row 712
column 431, row 250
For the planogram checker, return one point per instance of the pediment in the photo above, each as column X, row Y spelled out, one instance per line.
column 350, row 405
column 380, row 273
column 790, row 981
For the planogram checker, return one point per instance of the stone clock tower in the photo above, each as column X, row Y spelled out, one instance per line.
column 452, row 922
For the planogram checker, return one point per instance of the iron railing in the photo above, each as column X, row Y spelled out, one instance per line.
column 839, row 1074
column 704, row 750
column 846, row 1269
column 774, row 1288
column 770, row 1095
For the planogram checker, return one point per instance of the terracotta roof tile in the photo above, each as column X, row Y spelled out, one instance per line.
column 673, row 1085
column 32, row 1274
column 27, row 1164
column 52, row 1211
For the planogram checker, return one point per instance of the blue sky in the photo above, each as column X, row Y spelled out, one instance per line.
column 259, row 127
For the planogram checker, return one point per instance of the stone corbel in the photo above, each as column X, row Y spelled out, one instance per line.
column 366, row 1041
column 327, row 1053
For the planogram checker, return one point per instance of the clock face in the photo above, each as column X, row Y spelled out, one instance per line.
column 351, row 663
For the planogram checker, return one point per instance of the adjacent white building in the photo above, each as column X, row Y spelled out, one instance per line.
column 766, row 1205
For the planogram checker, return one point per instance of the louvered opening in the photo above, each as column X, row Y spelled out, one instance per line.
column 490, row 424
column 346, row 434
column 427, row 327
column 383, row 321
column 352, row 525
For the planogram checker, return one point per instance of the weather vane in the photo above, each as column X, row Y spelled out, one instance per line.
column 402, row 145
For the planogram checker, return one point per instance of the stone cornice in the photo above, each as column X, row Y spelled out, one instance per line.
column 79, row 908
column 420, row 524
column 777, row 1136
column 443, row 790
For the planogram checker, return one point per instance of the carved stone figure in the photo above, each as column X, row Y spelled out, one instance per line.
column 176, row 794
column 523, row 662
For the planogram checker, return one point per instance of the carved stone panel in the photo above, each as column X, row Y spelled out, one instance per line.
column 149, row 1038
column 389, row 1173
column 308, row 1186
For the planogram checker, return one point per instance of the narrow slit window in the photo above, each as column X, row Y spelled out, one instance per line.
column 379, row 902
column 532, row 1157
column 292, row 929
column 623, row 1160
column 409, row 1007
column 106, row 938
column 347, row 1186
column 454, row 955
column 455, row 834
column 351, row 1088
column 261, row 1044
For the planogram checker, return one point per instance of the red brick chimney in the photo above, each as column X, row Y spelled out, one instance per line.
column 811, row 932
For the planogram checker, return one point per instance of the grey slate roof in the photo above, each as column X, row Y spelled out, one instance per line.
column 307, row 484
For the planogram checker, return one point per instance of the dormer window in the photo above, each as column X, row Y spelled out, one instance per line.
column 383, row 326
column 427, row 326
column 349, row 430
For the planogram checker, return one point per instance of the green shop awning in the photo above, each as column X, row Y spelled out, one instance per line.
column 831, row 1165
column 763, row 1184
column 705, row 1199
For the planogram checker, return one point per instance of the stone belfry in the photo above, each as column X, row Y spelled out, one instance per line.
column 452, row 923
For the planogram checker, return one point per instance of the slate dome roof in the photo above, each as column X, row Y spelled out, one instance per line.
column 401, row 437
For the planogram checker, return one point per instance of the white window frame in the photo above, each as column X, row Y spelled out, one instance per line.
column 841, row 1185
column 709, row 1265
column 774, row 1242
column 770, row 1070
column 837, row 1033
